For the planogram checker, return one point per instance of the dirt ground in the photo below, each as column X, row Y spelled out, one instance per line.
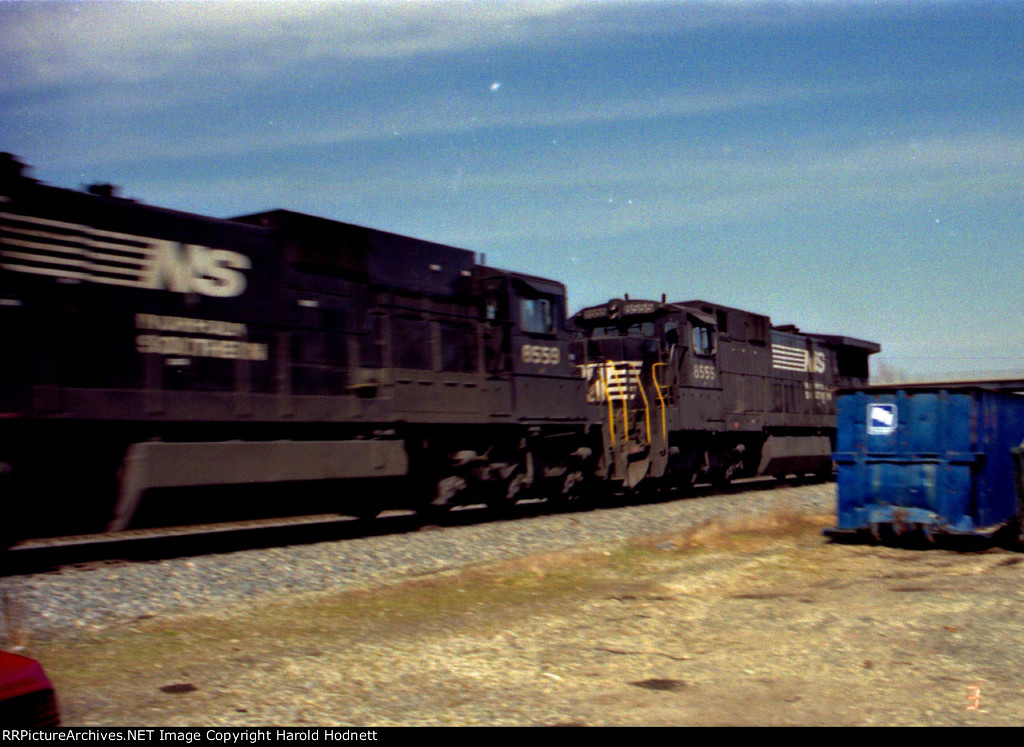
column 760, row 623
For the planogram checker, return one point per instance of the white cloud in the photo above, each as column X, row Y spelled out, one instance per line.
column 57, row 43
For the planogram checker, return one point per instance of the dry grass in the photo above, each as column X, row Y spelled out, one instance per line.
column 455, row 600
column 743, row 622
column 233, row 654
column 745, row 533
column 512, row 584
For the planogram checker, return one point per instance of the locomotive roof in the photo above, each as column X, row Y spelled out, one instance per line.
column 833, row 340
column 311, row 244
column 14, row 179
column 328, row 246
column 95, row 203
column 621, row 308
column 849, row 342
column 306, row 226
column 1010, row 385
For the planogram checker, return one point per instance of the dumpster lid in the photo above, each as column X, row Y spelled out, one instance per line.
column 997, row 385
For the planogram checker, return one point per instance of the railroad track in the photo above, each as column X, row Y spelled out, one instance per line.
column 140, row 545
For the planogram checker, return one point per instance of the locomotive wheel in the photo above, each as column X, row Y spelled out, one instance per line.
column 434, row 497
column 719, row 478
column 502, row 505
column 572, row 492
column 506, row 494
column 685, row 482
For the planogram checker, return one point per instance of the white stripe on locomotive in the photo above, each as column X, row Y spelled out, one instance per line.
column 78, row 252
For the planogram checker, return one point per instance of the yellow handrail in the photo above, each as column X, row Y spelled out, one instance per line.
column 611, row 408
column 661, row 398
column 647, row 407
column 625, row 411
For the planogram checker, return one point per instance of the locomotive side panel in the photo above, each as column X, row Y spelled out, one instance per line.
column 743, row 364
column 802, row 382
column 123, row 316
column 117, row 301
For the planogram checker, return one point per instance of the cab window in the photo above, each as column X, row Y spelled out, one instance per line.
column 537, row 316
column 703, row 340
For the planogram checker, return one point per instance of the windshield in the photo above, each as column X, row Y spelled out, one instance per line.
column 640, row 329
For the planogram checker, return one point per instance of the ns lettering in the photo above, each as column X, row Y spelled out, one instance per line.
column 189, row 268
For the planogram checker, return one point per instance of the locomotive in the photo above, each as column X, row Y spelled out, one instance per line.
column 156, row 352
column 695, row 391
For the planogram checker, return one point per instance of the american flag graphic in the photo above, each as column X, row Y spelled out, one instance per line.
column 67, row 250
column 790, row 359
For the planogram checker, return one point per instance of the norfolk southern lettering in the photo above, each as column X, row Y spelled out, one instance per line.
column 196, row 347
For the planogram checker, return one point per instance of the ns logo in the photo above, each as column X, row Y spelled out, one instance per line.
column 73, row 252
column 190, row 268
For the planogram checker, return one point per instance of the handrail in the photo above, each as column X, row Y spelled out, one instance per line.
column 661, row 398
column 647, row 406
column 608, row 397
column 625, row 412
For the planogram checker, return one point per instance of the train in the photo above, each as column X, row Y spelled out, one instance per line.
column 152, row 354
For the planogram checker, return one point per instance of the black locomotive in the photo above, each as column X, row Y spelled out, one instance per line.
column 149, row 350
column 694, row 391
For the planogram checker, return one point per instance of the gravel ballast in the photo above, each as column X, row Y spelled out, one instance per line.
column 100, row 595
column 719, row 610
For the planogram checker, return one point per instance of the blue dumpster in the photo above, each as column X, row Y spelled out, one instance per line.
column 937, row 459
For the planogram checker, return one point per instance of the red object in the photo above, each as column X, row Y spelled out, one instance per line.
column 26, row 694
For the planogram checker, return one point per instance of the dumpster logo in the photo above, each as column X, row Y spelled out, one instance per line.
column 881, row 419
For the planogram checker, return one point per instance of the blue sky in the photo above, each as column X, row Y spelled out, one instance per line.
column 854, row 168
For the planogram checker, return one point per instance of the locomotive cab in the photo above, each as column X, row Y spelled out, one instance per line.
column 637, row 358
